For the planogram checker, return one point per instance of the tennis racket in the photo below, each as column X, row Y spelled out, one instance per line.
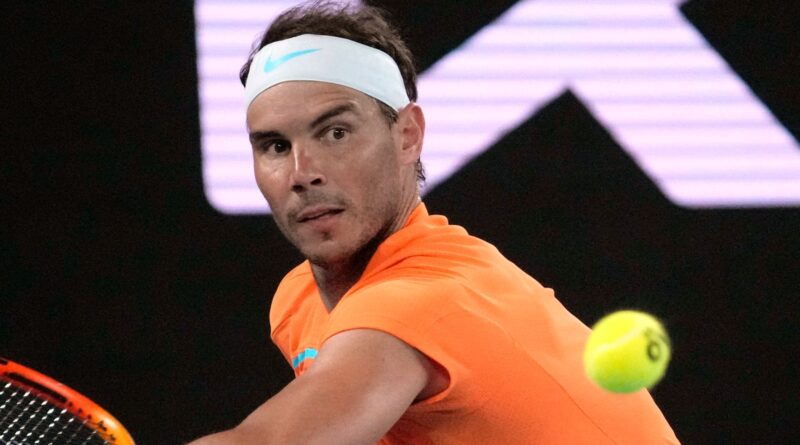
column 37, row 410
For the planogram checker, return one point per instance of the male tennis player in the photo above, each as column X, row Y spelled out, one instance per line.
column 401, row 328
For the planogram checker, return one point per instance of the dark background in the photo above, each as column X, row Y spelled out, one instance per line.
column 118, row 278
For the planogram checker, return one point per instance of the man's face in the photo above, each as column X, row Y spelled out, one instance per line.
column 326, row 160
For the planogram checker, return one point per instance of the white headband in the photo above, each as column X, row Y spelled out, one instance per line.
column 327, row 59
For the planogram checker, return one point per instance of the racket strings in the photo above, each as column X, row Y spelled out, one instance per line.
column 27, row 419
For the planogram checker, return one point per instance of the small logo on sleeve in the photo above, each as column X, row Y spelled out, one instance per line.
column 307, row 354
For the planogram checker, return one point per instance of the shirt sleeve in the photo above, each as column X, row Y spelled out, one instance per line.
column 428, row 317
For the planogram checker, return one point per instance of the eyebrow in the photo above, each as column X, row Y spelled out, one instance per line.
column 333, row 112
column 256, row 136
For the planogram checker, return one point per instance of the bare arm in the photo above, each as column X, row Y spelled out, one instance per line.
column 360, row 384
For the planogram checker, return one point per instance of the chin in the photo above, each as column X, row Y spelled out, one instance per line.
column 323, row 256
column 342, row 248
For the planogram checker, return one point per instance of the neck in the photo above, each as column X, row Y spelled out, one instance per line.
column 336, row 278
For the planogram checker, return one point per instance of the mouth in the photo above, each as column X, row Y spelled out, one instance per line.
column 317, row 213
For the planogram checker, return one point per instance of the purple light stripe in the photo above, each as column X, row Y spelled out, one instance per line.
column 455, row 142
column 222, row 49
column 595, row 9
column 222, row 158
column 228, row 134
column 234, row 35
column 622, row 125
column 733, row 193
column 226, row 67
column 228, row 130
column 656, row 120
column 586, row 61
column 757, row 185
column 692, row 79
column 687, row 78
column 576, row 22
column 595, row 73
column 222, row 168
column 618, row 48
column 662, row 25
column 619, row 89
column 695, row 137
column 228, row 167
column 756, row 133
column 259, row 22
column 255, row 199
column 231, row 173
column 672, row 88
column 228, row 102
column 224, row 118
column 710, row 150
column 238, row 11
column 239, row 53
column 224, row 98
column 230, row 124
column 233, row 102
column 724, row 164
column 722, row 101
column 462, row 102
column 220, row 149
column 682, row 113
column 477, row 112
column 225, row 89
column 754, row 179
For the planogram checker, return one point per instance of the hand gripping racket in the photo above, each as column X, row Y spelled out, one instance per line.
column 37, row 410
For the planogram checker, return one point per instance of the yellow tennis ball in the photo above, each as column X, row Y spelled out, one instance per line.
column 627, row 351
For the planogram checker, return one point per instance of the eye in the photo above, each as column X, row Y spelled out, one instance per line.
column 335, row 134
column 280, row 146
column 276, row 146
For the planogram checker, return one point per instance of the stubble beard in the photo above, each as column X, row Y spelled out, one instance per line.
column 356, row 251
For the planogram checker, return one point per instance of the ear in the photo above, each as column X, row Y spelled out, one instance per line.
column 410, row 128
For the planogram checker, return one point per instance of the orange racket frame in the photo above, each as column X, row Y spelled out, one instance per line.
column 109, row 428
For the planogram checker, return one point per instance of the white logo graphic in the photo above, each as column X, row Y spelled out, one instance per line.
column 646, row 74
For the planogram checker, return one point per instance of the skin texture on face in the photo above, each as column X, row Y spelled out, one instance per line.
column 337, row 176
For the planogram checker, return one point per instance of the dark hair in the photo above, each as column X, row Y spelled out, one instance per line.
column 367, row 25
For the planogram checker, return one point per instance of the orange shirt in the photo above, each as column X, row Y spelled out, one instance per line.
column 512, row 351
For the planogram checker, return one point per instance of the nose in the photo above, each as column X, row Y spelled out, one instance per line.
column 306, row 171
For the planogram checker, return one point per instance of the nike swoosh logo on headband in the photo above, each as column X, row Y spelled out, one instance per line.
column 270, row 65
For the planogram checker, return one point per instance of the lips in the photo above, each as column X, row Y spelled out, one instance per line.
column 317, row 212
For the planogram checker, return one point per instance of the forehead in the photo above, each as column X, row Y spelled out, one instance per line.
column 301, row 101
